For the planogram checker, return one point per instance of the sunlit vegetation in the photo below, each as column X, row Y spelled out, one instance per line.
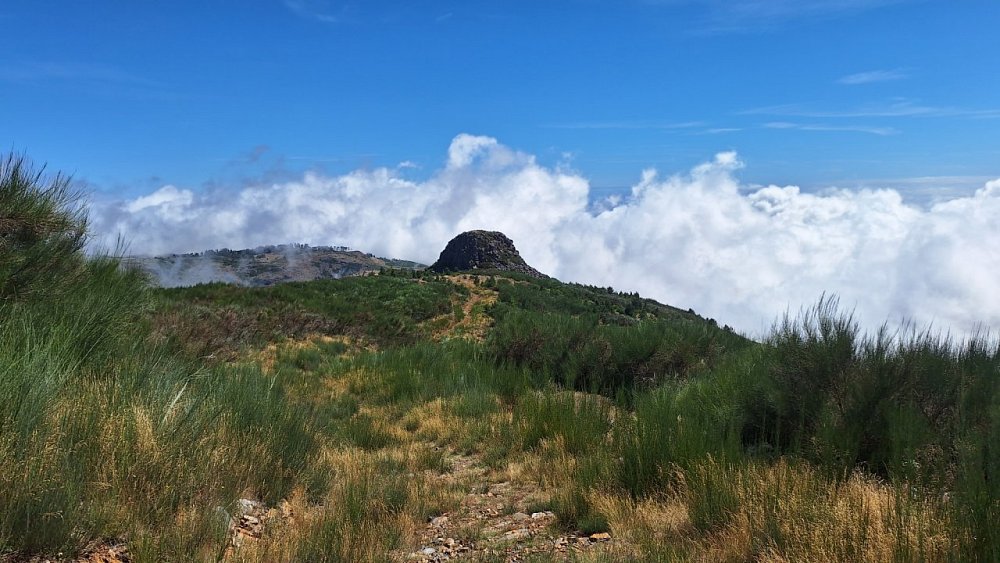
column 144, row 416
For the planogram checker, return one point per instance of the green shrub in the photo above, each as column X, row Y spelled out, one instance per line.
column 581, row 353
column 582, row 422
column 42, row 232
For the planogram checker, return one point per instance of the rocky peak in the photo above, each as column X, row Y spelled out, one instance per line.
column 482, row 250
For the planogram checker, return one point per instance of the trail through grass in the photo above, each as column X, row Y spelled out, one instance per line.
column 341, row 420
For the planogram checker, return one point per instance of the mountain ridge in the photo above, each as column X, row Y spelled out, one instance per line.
column 264, row 265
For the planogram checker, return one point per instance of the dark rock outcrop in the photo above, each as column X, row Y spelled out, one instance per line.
column 482, row 250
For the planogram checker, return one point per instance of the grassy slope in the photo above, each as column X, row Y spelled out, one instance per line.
column 815, row 444
column 356, row 405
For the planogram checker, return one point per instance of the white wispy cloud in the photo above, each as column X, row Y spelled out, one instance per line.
column 87, row 79
column 873, row 76
column 871, row 130
column 896, row 108
column 790, row 9
column 35, row 71
column 702, row 239
column 318, row 10
column 625, row 124
column 728, row 16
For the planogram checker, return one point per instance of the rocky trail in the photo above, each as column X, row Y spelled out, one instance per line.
column 496, row 522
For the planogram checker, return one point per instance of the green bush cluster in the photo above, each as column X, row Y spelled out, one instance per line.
column 220, row 321
column 582, row 352
column 912, row 407
column 42, row 231
column 917, row 410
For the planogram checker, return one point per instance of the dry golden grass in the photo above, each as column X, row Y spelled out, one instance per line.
column 820, row 520
column 433, row 422
column 783, row 513
column 644, row 522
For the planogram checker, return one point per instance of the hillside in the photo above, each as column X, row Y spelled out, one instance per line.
column 266, row 265
column 479, row 415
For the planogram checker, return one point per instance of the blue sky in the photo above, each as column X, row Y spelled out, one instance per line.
column 800, row 147
column 129, row 96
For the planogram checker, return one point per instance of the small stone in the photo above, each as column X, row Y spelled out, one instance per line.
column 540, row 515
column 428, row 551
column 247, row 505
column 518, row 534
column 601, row 536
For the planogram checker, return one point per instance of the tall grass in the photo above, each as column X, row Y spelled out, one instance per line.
column 912, row 407
column 102, row 433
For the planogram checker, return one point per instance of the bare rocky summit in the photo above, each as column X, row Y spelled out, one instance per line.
column 482, row 250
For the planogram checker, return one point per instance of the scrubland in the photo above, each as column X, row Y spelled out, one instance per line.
column 355, row 413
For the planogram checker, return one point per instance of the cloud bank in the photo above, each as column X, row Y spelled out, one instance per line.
column 742, row 254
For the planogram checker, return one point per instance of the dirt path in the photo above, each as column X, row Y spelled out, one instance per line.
column 473, row 321
column 495, row 522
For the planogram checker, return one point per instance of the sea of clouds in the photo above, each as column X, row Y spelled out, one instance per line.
column 741, row 254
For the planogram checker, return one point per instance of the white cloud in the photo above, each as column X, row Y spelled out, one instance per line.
column 464, row 148
column 726, row 16
column 896, row 108
column 87, row 72
column 738, row 253
column 312, row 9
column 873, row 76
column 167, row 199
column 871, row 130
column 626, row 124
